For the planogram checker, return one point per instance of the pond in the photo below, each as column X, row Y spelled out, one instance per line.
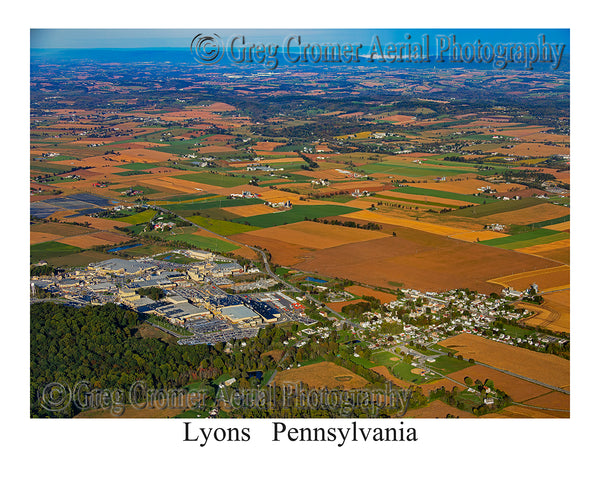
column 118, row 249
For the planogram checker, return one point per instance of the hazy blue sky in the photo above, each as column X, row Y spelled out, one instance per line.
column 169, row 38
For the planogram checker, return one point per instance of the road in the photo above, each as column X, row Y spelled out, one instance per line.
column 265, row 261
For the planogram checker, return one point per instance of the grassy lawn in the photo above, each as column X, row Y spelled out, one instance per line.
column 385, row 358
column 361, row 361
column 46, row 250
column 296, row 214
column 310, row 362
column 445, row 364
column 403, row 370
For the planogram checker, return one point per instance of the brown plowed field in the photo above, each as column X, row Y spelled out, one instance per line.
column 61, row 229
column 382, row 296
column 283, row 253
column 542, row 367
column 84, row 241
column 518, row 411
column 437, row 409
column 321, row 375
column 40, row 237
column 318, row 235
column 546, row 279
column 558, row 400
column 416, row 259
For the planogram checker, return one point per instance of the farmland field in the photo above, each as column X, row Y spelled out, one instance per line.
column 140, row 217
column 417, row 260
column 214, row 179
column 296, row 214
column 425, row 192
column 50, row 249
column 321, row 375
column 543, row 367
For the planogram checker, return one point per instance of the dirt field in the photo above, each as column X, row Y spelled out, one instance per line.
column 542, row 367
column 61, row 229
column 478, row 235
column 283, row 253
column 84, row 241
column 518, row 411
column 318, row 235
column 415, row 259
column 40, row 237
column 321, row 375
column 337, row 306
column 517, row 389
column 99, row 223
column 556, row 400
column 382, row 296
column 437, row 409
column 546, row 279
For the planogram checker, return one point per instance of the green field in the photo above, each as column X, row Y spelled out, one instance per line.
column 527, row 239
column 185, row 198
column 385, row 358
column 138, row 218
column 446, row 364
column 206, row 204
column 45, row 250
column 414, row 170
column 176, row 258
column 403, row 370
column 215, row 179
column 362, row 361
column 204, row 243
column 295, row 214
column 221, row 227
column 553, row 221
column 441, row 194
column 497, row 207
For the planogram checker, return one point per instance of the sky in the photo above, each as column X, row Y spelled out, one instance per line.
column 181, row 38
